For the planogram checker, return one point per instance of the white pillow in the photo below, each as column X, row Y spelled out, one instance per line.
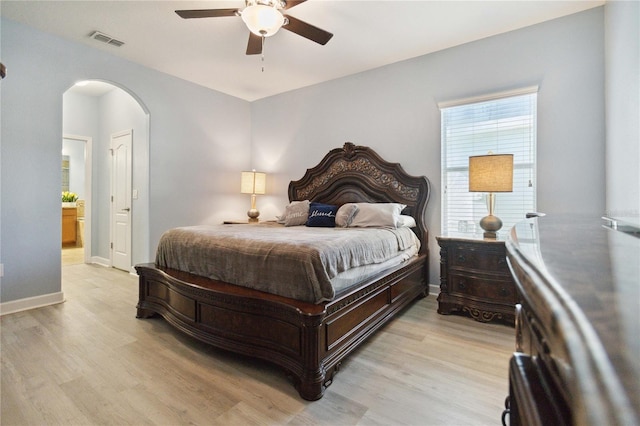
column 295, row 214
column 407, row 221
column 385, row 215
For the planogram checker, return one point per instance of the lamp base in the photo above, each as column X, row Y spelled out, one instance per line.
column 491, row 224
column 253, row 215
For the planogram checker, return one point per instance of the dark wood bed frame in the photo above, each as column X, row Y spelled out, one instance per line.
column 308, row 340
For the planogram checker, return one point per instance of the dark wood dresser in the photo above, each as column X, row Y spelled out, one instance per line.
column 578, row 325
column 475, row 278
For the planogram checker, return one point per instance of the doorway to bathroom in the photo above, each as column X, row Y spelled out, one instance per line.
column 76, row 199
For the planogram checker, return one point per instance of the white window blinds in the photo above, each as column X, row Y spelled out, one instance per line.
column 500, row 124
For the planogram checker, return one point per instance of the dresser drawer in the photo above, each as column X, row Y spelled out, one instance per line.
column 496, row 290
column 479, row 257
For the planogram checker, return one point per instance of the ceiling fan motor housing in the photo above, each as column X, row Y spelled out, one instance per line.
column 263, row 17
column 279, row 4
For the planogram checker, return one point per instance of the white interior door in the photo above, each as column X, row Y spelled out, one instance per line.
column 121, row 200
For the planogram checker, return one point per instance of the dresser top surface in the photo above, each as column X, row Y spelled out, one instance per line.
column 592, row 273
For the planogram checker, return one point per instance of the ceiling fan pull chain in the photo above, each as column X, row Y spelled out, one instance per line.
column 262, row 53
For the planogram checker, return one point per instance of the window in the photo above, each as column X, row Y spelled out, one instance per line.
column 501, row 124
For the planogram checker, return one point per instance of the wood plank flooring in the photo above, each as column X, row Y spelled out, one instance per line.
column 89, row 361
column 72, row 255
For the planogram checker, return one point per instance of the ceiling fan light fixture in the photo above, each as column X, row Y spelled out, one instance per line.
column 261, row 19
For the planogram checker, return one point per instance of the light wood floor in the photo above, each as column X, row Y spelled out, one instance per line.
column 90, row 361
column 72, row 255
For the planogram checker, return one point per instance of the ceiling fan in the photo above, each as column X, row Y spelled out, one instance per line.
column 264, row 18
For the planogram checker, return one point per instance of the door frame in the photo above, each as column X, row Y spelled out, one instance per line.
column 88, row 174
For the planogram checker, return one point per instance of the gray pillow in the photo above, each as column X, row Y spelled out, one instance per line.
column 345, row 214
column 296, row 213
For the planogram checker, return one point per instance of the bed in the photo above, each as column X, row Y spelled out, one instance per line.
column 308, row 339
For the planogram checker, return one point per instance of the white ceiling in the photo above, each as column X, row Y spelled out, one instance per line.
column 211, row 52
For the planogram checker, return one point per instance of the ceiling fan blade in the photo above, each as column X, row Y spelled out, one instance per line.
column 254, row 47
column 307, row 30
column 206, row 13
column 291, row 3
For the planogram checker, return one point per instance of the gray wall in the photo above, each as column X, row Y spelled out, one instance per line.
column 622, row 23
column 198, row 141
column 394, row 110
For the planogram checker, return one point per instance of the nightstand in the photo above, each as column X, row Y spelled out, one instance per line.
column 240, row 222
column 475, row 278
column 248, row 222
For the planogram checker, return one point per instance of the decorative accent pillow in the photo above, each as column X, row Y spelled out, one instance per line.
column 385, row 215
column 296, row 213
column 345, row 214
column 322, row 215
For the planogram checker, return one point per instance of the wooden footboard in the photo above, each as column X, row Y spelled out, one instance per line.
column 309, row 341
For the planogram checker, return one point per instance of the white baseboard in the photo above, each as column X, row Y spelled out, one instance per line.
column 45, row 299
column 434, row 289
column 101, row 261
column 31, row 303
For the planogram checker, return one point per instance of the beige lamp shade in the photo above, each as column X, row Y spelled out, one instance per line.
column 253, row 182
column 491, row 173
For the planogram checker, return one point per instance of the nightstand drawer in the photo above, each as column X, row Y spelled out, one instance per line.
column 474, row 256
column 496, row 290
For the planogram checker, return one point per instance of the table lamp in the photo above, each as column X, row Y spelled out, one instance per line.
column 253, row 183
column 491, row 173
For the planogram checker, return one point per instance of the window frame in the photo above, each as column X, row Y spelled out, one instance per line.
column 525, row 167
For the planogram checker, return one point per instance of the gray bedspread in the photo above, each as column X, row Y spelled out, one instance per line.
column 296, row 262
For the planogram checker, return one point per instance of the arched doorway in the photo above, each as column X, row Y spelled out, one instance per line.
column 98, row 110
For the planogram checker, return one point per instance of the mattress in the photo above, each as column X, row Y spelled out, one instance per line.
column 299, row 262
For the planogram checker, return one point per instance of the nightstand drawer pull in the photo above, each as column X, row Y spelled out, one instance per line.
column 462, row 285
column 504, row 292
column 461, row 258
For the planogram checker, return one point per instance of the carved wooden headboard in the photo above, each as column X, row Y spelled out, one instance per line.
column 353, row 174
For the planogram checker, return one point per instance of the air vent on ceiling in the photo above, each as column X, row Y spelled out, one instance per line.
column 97, row 35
